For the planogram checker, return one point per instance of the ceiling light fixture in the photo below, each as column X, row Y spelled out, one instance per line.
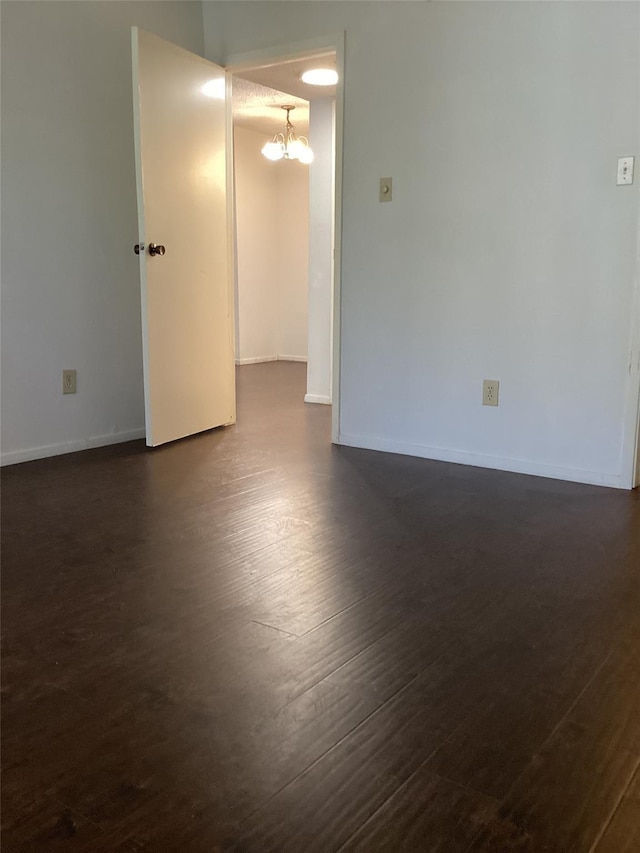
column 320, row 77
column 287, row 145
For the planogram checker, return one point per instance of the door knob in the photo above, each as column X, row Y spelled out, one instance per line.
column 139, row 247
column 156, row 249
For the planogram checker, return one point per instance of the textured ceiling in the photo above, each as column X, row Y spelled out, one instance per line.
column 258, row 95
column 285, row 77
column 258, row 107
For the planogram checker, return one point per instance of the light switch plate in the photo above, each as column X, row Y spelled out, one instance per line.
column 386, row 189
column 625, row 171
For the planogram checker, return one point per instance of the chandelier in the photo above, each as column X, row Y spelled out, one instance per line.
column 286, row 145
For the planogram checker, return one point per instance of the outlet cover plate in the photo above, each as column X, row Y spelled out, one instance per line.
column 69, row 381
column 490, row 392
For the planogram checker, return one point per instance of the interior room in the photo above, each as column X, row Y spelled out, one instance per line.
column 284, row 221
column 391, row 603
column 272, row 239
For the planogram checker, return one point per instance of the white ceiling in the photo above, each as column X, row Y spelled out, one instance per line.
column 285, row 77
column 258, row 108
column 258, row 94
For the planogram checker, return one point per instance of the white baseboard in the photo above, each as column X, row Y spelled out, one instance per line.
column 498, row 463
column 13, row 457
column 317, row 398
column 260, row 359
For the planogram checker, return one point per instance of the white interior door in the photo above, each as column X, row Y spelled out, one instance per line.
column 187, row 295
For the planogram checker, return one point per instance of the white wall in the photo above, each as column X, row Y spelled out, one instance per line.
column 508, row 252
column 256, row 249
column 272, row 204
column 292, row 217
column 70, row 290
column 321, row 216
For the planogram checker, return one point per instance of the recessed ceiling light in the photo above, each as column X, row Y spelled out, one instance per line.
column 320, row 77
column 215, row 88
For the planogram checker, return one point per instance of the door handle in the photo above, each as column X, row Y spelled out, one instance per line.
column 139, row 247
column 156, row 249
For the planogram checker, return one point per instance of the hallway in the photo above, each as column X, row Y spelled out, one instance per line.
column 253, row 640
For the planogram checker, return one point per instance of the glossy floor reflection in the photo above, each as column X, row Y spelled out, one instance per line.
column 254, row 641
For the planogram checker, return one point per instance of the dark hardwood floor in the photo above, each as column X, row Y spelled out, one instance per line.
column 254, row 641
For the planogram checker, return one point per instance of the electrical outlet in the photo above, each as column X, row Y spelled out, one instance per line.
column 490, row 392
column 69, row 380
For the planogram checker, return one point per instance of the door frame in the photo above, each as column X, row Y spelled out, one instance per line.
column 630, row 461
column 235, row 64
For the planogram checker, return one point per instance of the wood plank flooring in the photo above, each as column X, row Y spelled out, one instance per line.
column 253, row 641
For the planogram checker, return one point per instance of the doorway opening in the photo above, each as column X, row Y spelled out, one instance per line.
column 285, row 222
